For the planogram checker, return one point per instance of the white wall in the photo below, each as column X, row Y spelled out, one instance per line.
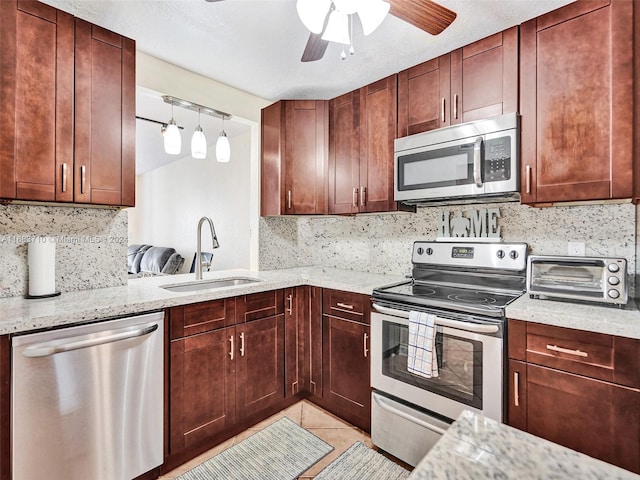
column 170, row 200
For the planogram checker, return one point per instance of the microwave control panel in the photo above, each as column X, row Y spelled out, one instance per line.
column 497, row 159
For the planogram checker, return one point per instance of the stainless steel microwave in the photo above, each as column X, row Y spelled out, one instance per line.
column 473, row 162
column 591, row 279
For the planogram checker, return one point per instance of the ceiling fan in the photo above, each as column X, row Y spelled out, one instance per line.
column 424, row 14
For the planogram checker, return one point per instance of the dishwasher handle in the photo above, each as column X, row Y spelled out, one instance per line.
column 73, row 343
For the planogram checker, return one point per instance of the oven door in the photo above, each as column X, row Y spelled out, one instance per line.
column 470, row 366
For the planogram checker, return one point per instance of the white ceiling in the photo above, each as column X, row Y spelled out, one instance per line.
column 256, row 45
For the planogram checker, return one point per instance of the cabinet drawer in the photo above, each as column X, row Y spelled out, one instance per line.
column 201, row 317
column 259, row 305
column 352, row 306
column 595, row 355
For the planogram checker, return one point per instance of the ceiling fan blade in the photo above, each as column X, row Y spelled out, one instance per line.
column 315, row 48
column 424, row 14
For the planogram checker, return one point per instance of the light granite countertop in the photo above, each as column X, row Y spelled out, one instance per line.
column 475, row 447
column 18, row 314
column 590, row 317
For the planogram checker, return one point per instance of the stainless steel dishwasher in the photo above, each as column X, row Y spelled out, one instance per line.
column 87, row 401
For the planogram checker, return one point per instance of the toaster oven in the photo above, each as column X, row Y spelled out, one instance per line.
column 591, row 279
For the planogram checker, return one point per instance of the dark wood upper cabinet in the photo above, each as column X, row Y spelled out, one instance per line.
column 362, row 126
column 68, row 116
column 477, row 81
column 37, row 94
column 294, row 158
column 105, row 117
column 576, row 84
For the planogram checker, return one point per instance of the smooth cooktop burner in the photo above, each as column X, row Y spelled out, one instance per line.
column 468, row 297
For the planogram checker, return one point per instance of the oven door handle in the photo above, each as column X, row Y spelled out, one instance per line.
column 445, row 322
column 406, row 416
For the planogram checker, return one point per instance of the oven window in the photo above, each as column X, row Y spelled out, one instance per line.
column 459, row 364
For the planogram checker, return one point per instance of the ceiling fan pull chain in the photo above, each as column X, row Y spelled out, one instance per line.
column 351, row 49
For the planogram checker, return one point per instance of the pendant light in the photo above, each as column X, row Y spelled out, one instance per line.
column 198, row 142
column 172, row 138
column 223, row 147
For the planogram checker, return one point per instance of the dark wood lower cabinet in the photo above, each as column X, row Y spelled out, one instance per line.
column 346, row 375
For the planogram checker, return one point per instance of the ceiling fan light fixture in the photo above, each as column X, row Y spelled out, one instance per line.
column 337, row 28
column 372, row 14
column 349, row 7
column 172, row 138
column 313, row 13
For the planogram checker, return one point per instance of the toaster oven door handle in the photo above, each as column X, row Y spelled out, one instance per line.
column 444, row 322
column 477, row 162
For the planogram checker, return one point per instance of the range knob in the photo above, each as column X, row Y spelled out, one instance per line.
column 500, row 253
column 429, row 251
column 613, row 267
column 613, row 293
column 513, row 254
column 613, row 280
column 420, row 250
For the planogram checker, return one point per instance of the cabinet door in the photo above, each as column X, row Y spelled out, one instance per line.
column 576, row 81
column 344, row 153
column 36, row 92
column 347, row 385
column 297, row 312
column 484, row 78
column 313, row 352
column 202, row 387
column 517, row 395
column 423, row 96
column 378, row 122
column 597, row 418
column 305, row 158
column 260, row 365
column 104, row 171
column 272, row 199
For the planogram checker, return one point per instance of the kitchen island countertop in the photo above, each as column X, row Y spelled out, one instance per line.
column 475, row 447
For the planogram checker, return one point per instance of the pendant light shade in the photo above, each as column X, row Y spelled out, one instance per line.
column 223, row 148
column 198, row 144
column 312, row 13
column 337, row 28
column 172, row 138
column 372, row 16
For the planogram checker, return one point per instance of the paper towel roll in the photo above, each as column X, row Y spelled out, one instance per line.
column 42, row 266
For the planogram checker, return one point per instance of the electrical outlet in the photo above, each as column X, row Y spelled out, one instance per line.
column 576, row 249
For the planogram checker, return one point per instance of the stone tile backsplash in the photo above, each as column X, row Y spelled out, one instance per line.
column 382, row 243
column 91, row 246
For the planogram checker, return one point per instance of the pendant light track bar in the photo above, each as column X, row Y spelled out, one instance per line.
column 178, row 102
column 164, row 124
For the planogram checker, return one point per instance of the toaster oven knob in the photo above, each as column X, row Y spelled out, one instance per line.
column 500, row 253
column 513, row 254
column 420, row 250
column 613, row 280
column 613, row 293
column 429, row 251
column 613, row 267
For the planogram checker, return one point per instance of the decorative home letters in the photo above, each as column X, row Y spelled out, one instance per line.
column 477, row 223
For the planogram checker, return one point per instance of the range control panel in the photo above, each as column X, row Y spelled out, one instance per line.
column 503, row 256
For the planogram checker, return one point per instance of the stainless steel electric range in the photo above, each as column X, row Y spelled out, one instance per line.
column 467, row 287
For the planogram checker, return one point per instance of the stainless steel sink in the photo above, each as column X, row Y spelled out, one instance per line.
column 209, row 284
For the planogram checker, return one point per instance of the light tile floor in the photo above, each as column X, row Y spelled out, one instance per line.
column 337, row 433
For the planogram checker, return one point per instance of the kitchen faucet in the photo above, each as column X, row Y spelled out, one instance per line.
column 214, row 242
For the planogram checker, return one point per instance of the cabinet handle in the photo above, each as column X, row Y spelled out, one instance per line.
column 344, row 305
column 64, row 177
column 365, row 349
column 355, row 196
column 242, row 344
column 313, row 384
column 528, row 178
column 577, row 353
column 363, row 196
column 293, row 387
column 443, row 107
column 83, row 177
column 516, row 389
column 290, row 300
column 289, row 199
column 231, row 349
column 455, row 106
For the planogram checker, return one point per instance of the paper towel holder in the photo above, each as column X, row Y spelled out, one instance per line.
column 48, row 295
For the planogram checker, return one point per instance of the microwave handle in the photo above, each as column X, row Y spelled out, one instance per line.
column 477, row 161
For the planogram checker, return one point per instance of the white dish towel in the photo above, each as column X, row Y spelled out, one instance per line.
column 421, row 352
